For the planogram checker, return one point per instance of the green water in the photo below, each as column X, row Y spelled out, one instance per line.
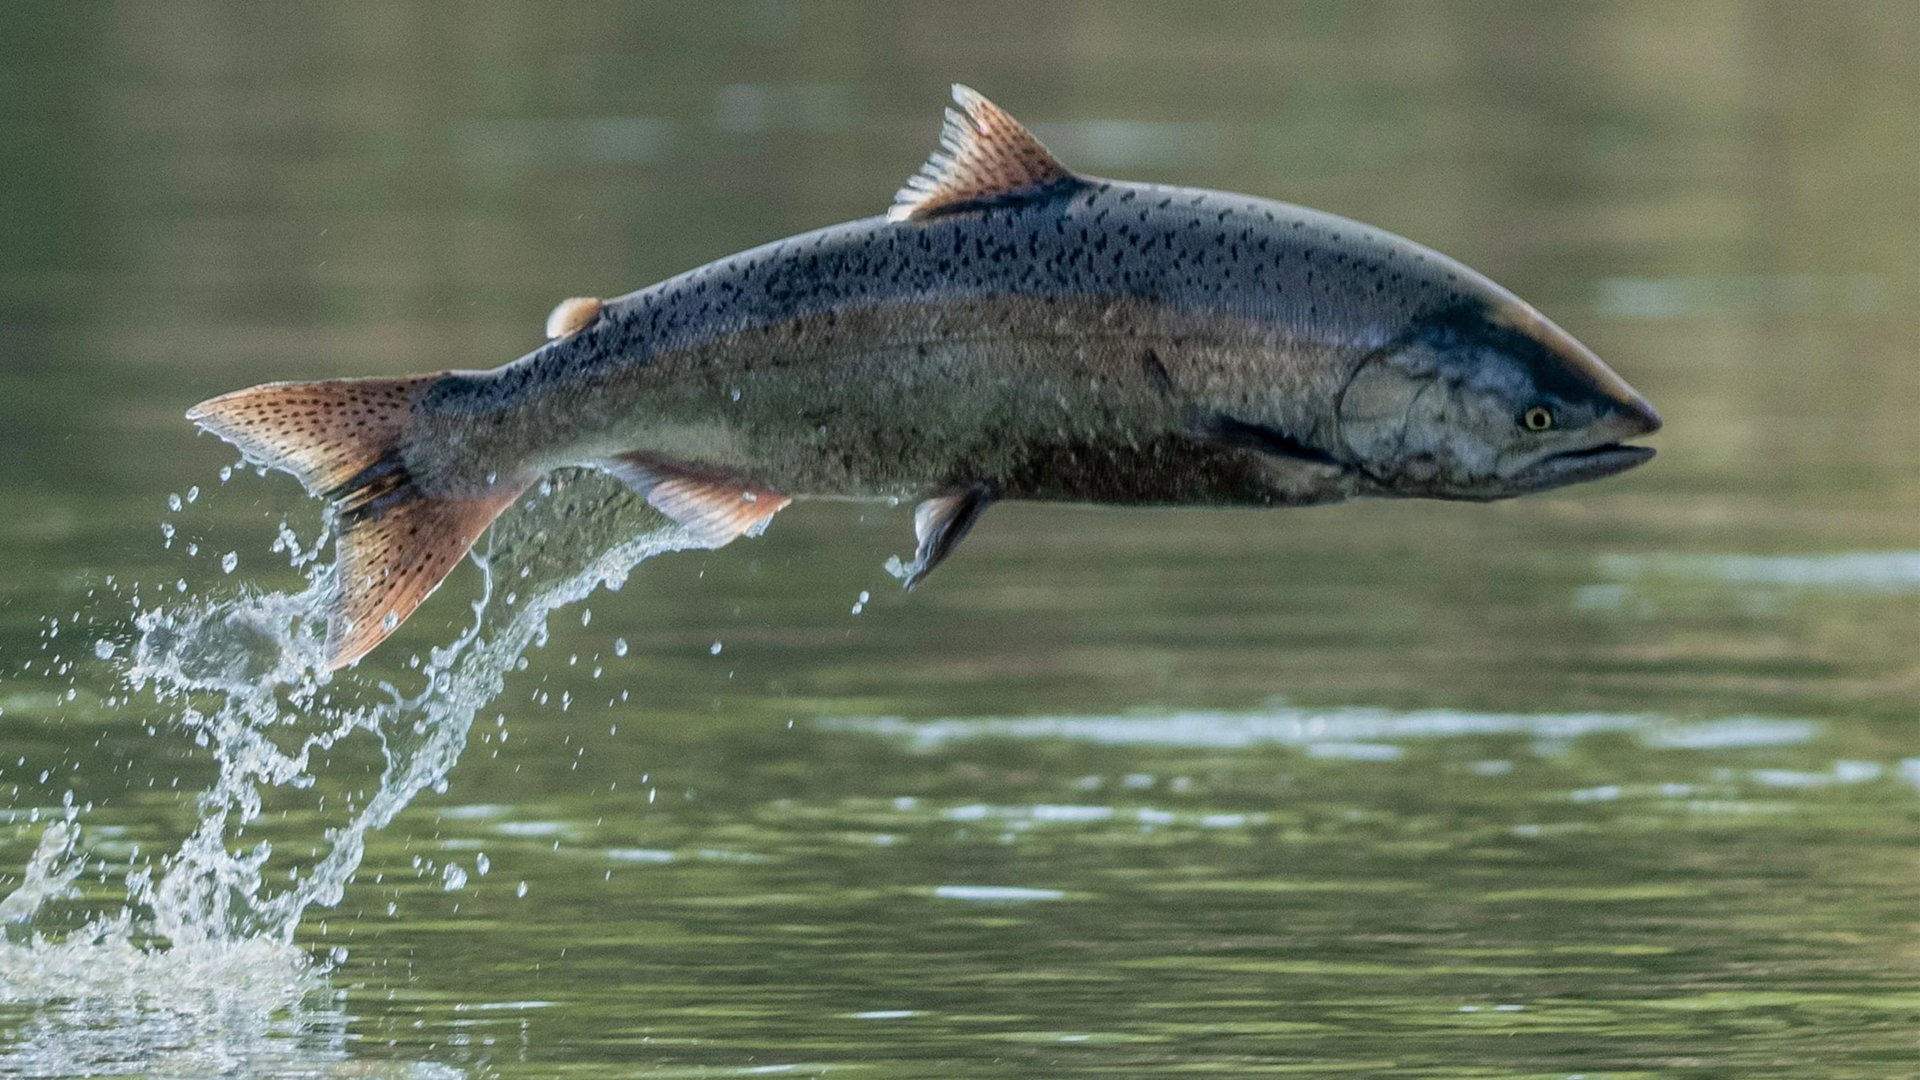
column 1619, row 781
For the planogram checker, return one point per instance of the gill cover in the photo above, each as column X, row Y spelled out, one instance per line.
column 1468, row 400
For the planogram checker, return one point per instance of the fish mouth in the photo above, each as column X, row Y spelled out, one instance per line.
column 1579, row 466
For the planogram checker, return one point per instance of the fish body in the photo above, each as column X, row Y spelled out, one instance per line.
column 1062, row 348
column 1010, row 330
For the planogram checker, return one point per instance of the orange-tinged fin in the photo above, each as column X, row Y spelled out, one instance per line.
column 716, row 508
column 342, row 439
column 321, row 432
column 396, row 546
column 572, row 315
column 985, row 157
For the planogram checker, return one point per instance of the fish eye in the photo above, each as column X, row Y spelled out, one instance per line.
column 1537, row 418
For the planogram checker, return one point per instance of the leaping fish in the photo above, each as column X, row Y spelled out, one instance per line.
column 1009, row 329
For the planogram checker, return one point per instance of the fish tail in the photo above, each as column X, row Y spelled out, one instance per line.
column 343, row 439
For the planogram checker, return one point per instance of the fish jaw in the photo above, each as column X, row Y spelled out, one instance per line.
column 1573, row 467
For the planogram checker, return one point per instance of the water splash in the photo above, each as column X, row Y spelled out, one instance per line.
column 261, row 659
column 201, row 955
column 49, row 876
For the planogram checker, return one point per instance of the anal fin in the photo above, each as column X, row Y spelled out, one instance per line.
column 718, row 509
column 939, row 524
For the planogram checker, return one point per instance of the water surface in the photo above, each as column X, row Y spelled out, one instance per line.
column 1619, row 781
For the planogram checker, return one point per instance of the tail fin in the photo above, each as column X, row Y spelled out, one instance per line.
column 342, row 438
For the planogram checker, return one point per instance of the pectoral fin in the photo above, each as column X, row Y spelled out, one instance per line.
column 1271, row 441
column 940, row 524
column 717, row 508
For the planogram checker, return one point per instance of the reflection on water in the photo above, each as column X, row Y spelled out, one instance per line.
column 1691, row 297
column 1616, row 781
column 1315, row 730
column 1854, row 571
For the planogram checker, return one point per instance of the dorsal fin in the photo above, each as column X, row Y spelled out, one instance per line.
column 985, row 156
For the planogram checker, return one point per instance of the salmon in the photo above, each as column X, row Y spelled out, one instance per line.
column 1009, row 329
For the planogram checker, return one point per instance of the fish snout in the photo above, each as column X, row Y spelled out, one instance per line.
column 1573, row 369
column 1622, row 413
column 1639, row 415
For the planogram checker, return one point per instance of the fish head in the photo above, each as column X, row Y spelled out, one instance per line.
column 1488, row 401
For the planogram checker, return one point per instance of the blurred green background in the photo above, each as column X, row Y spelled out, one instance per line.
column 1722, row 198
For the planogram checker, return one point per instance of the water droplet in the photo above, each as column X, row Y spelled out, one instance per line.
column 193, row 551
column 482, row 864
column 736, row 395
column 226, row 473
column 230, row 561
column 619, row 646
column 521, row 889
column 453, row 878
column 390, row 620
column 193, row 493
column 715, row 650
column 173, row 503
column 586, row 616
column 103, row 649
